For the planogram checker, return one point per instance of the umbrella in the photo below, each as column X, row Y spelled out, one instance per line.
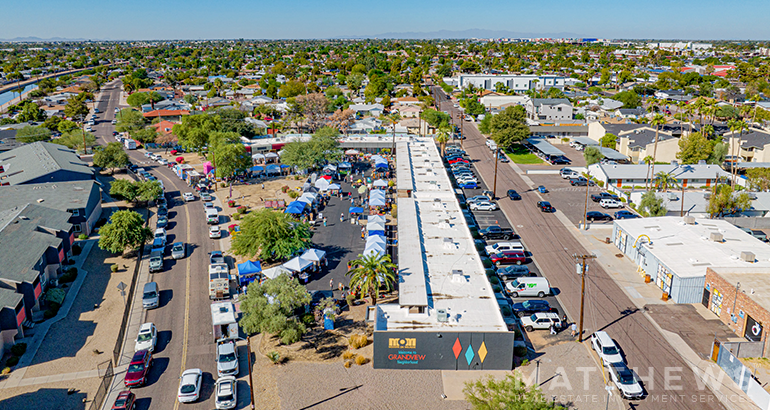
column 351, row 152
column 326, row 177
column 273, row 273
column 362, row 189
column 297, row 264
column 380, row 183
column 355, row 210
column 314, row 255
column 359, row 181
column 179, row 160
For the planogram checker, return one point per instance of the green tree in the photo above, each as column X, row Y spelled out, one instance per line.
column 52, row 123
column 657, row 121
column 123, row 189
column 269, row 307
column 510, row 393
column 193, row 132
column 270, row 235
column 124, row 231
column 693, row 148
column 147, row 191
column 724, row 201
column 665, row 181
column 629, row 99
column 145, row 135
column 111, row 156
column 759, row 178
column 443, row 137
column 370, row 273
column 137, row 100
column 292, row 89
column 651, row 205
column 129, row 121
column 31, row 134
column 718, row 153
column 323, row 147
column 31, row 112
column 74, row 139
column 609, row 140
column 592, row 155
column 231, row 158
column 66, row 126
column 76, row 107
column 484, row 124
column 509, row 127
column 473, row 107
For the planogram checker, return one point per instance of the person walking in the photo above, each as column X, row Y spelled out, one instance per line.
column 342, row 217
column 331, row 283
column 552, row 329
column 324, row 222
column 573, row 329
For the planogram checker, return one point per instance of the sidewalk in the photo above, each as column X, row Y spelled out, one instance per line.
column 624, row 272
column 41, row 330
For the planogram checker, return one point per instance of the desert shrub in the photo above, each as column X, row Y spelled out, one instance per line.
column 5, row 371
column 292, row 333
column 308, row 319
column 494, row 280
column 348, row 355
column 285, row 189
column 237, row 216
column 18, row 349
column 274, row 357
column 347, row 364
column 358, row 341
column 69, row 276
column 242, row 209
column 82, row 236
column 361, row 360
column 12, row 361
column 600, row 183
column 524, row 362
column 293, row 194
column 114, row 268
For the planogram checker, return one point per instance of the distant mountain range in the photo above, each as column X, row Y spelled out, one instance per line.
column 39, row 40
column 463, row 34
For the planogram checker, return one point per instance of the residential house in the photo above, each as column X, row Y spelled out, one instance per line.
column 81, row 199
column 374, row 110
column 8, row 140
column 549, row 109
column 408, row 111
column 168, row 105
column 672, row 95
column 167, row 115
column 631, row 113
column 620, row 175
column 34, row 241
column 165, row 132
column 493, row 100
column 12, row 315
column 42, row 162
column 365, row 126
column 406, row 101
column 751, row 146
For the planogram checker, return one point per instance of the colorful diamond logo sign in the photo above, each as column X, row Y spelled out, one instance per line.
column 469, row 354
column 457, row 348
column 482, row 352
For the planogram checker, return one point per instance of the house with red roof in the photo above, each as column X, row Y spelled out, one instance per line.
column 167, row 115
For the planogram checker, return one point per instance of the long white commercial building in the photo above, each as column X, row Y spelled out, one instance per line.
column 515, row 82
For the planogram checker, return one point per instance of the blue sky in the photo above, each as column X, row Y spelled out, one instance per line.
column 198, row 19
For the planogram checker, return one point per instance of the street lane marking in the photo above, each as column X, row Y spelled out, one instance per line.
column 186, row 301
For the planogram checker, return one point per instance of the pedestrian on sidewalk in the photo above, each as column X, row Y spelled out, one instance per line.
column 552, row 329
column 324, row 222
column 331, row 283
column 574, row 330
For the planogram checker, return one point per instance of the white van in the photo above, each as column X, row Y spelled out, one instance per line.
column 532, row 286
column 212, row 216
column 610, row 203
column 491, row 145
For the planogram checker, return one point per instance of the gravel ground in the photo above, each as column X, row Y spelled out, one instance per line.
column 50, row 396
column 71, row 343
column 264, row 386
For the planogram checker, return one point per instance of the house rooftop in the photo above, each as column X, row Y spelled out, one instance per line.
column 9, row 298
column 639, row 171
column 57, row 195
column 38, row 159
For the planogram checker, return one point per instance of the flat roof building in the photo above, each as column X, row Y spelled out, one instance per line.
column 447, row 315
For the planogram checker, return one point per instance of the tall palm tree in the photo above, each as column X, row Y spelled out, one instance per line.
column 735, row 126
column 657, row 121
column 393, row 119
column 443, row 137
column 647, row 160
column 372, row 272
column 698, row 105
column 755, row 99
column 707, row 130
column 664, row 181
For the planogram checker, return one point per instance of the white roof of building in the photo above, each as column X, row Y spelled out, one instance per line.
column 439, row 267
column 633, row 171
column 687, row 250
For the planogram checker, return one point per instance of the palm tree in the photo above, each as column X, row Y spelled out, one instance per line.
column 698, row 105
column 664, row 181
column 657, row 121
column 755, row 98
column 739, row 126
column 393, row 119
column 370, row 273
column 647, row 160
column 443, row 136
column 707, row 130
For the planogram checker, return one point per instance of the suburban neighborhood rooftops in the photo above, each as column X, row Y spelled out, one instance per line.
column 38, row 159
column 439, row 267
column 58, row 195
column 688, row 250
column 754, row 139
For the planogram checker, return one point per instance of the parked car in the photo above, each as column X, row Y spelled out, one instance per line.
column 162, row 211
column 208, row 205
column 530, row 307
column 468, row 185
column 150, row 295
column 626, row 215
column 206, row 197
column 162, row 222
column 190, row 385
column 513, row 195
column 610, row 203
column 496, row 232
column 147, row 337
column 125, row 401
column 216, row 257
column 188, row 196
column 160, row 233
column 606, row 348
column 158, row 244
column 604, row 195
column 483, row 206
column 581, row 181
column 756, row 233
column 504, row 246
column 502, row 157
column 177, row 250
column 156, row 260
column 567, row 173
column 530, row 286
column 138, row 368
column 508, row 257
column 227, row 358
column 226, row 395
column 597, row 216
column 625, row 381
column 541, row 321
column 545, row 206
column 514, row 271
column 477, row 198
column 215, row 232
column 542, row 189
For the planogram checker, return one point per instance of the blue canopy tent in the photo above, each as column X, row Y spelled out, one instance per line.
column 257, row 168
column 356, row 210
column 295, row 207
column 381, row 165
column 248, row 272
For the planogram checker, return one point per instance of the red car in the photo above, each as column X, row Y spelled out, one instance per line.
column 125, row 401
column 136, row 375
column 508, row 257
column 459, row 160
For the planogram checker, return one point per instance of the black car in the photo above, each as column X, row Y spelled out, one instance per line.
column 529, row 307
column 544, row 206
column 496, row 232
column 604, row 195
column 559, row 160
column 513, row 195
column 581, row 181
column 514, row 271
column 162, row 211
column 626, row 215
column 597, row 216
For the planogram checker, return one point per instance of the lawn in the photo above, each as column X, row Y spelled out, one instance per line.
column 520, row 155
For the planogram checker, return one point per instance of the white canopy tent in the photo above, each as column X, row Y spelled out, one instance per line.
column 298, row 264
column 276, row 271
column 315, row 255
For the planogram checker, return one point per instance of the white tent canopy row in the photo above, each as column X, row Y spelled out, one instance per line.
column 315, row 255
column 298, row 264
column 375, row 226
column 380, row 183
column 276, row 271
column 377, row 218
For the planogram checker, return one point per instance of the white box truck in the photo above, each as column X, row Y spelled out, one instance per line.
column 129, row 143
column 219, row 281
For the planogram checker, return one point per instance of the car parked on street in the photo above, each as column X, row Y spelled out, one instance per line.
column 162, row 211
column 610, row 203
column 625, row 381
column 581, row 181
column 126, row 400
column 532, row 306
column 504, row 246
column 568, row 173
column 476, row 199
column 606, row 348
column 468, row 185
column 541, row 321
column 483, row 206
column 626, row 215
column 156, row 260
column 188, row 196
column 545, row 206
column 508, row 257
column 147, row 337
column 162, row 222
column 215, row 232
column 513, row 195
column 206, row 197
column 496, row 232
column 514, row 271
column 190, row 385
column 592, row 216
column 177, row 250
column 604, row 195
column 226, row 395
column 227, row 358
column 138, row 368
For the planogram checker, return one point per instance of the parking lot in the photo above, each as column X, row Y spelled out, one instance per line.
column 485, row 219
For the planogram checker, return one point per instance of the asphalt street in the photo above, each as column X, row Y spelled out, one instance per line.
column 183, row 319
column 607, row 306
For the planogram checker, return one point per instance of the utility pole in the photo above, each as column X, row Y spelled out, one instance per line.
column 583, row 271
column 681, row 213
column 585, row 204
column 462, row 131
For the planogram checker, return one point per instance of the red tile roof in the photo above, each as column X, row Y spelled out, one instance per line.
column 165, row 113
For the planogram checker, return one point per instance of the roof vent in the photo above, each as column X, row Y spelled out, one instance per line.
column 747, row 256
column 689, row 220
column 449, row 243
column 40, row 200
column 716, row 237
column 443, row 316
